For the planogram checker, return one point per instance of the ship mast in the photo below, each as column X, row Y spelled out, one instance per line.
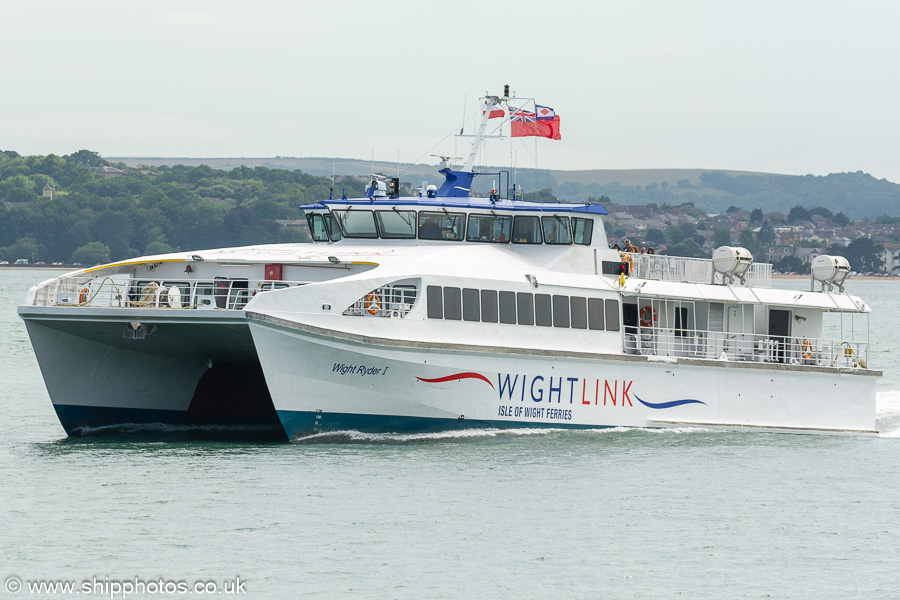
column 487, row 105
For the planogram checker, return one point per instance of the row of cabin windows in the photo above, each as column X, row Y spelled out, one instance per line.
column 429, row 225
column 524, row 308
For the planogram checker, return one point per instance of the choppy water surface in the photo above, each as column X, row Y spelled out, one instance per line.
column 614, row 513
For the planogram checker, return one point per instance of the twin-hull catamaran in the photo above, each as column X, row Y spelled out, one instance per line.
column 444, row 310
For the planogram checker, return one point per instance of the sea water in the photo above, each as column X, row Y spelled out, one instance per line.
column 518, row 514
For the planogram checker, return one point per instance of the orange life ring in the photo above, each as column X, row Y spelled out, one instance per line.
column 372, row 304
column 83, row 295
column 807, row 350
column 648, row 316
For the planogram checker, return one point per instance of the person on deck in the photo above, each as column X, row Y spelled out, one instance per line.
column 430, row 230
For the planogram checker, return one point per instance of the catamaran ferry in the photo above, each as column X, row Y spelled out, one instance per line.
column 444, row 310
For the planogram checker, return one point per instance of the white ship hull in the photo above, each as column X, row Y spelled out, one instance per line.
column 195, row 369
column 323, row 381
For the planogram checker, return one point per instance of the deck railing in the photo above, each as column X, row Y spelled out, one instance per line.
column 746, row 347
column 124, row 291
column 389, row 301
column 690, row 270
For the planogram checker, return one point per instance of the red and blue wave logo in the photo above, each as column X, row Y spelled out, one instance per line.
column 457, row 377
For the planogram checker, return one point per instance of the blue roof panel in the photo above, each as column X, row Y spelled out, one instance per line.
column 473, row 203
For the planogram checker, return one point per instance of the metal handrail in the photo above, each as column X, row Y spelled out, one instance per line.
column 746, row 347
column 689, row 270
column 126, row 291
column 387, row 301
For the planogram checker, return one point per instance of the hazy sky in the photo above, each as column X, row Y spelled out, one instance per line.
column 787, row 86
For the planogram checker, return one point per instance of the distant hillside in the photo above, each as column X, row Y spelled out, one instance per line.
column 857, row 194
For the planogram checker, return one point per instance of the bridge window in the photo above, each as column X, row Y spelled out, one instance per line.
column 489, row 228
column 556, row 230
column 441, row 226
column 526, row 230
column 396, row 224
column 357, row 223
column 582, row 230
column 322, row 227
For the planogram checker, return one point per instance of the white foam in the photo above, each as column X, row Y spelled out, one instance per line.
column 353, row 435
column 887, row 410
column 887, row 404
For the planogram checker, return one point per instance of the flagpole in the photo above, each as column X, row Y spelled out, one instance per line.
column 534, row 108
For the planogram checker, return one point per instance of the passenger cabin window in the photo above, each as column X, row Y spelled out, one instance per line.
column 525, row 308
column 560, row 311
column 578, row 312
column 356, row 223
column 556, row 230
column 396, row 224
column 543, row 310
column 508, row 307
column 582, row 230
column 435, row 302
column 452, row 304
column 489, row 228
column 612, row 315
column 471, row 305
column 441, row 226
column 595, row 313
column 322, row 227
column 489, row 313
column 526, row 230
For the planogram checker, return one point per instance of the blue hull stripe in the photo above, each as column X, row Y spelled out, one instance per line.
column 78, row 420
column 301, row 423
column 671, row 404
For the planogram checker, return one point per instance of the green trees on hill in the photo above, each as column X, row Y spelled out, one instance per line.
column 145, row 211
column 859, row 194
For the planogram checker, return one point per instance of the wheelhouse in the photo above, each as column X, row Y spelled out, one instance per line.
column 479, row 220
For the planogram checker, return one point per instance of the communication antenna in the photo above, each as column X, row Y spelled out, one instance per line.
column 462, row 125
column 446, row 161
column 333, row 160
